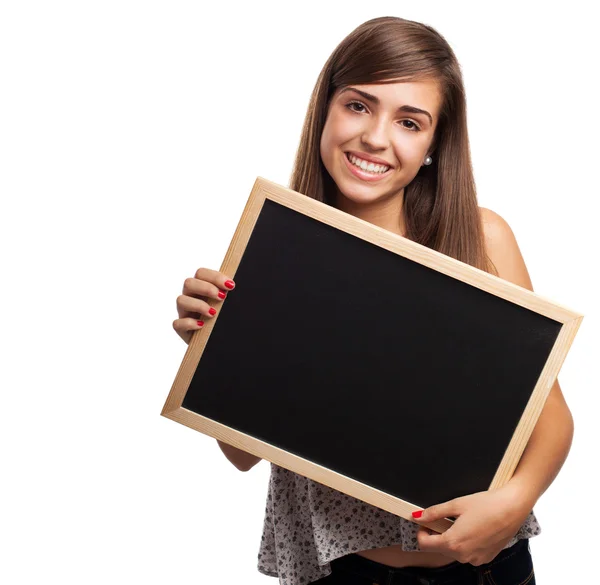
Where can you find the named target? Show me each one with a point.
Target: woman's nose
(376, 135)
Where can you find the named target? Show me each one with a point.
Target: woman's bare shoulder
(502, 248)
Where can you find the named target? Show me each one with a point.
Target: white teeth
(367, 166)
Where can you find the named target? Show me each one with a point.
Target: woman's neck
(387, 214)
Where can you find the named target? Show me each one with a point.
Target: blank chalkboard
(368, 362)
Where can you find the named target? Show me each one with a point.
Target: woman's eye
(355, 104)
(414, 127)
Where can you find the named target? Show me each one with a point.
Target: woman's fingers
(192, 287)
(215, 288)
(186, 327)
(192, 307)
(218, 279)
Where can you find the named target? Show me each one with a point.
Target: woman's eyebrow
(375, 100)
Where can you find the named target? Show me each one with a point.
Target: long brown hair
(440, 204)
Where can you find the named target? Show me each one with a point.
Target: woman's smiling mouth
(365, 170)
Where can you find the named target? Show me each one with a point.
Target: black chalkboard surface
(366, 361)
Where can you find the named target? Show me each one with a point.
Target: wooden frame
(263, 190)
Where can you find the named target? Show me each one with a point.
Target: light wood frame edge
(302, 466)
(536, 403)
(265, 189)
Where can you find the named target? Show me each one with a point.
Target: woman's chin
(360, 197)
(366, 192)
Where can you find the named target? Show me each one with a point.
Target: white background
(131, 134)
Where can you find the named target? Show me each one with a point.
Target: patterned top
(308, 524)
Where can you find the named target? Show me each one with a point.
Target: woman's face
(378, 121)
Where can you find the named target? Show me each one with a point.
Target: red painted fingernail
(212, 311)
(229, 284)
(200, 323)
(417, 514)
(221, 294)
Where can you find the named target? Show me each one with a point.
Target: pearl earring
(428, 160)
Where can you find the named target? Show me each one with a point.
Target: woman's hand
(485, 522)
(192, 307)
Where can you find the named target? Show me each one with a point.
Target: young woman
(385, 139)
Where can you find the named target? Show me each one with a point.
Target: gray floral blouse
(308, 524)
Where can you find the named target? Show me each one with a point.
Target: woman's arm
(547, 448)
(243, 460)
(486, 521)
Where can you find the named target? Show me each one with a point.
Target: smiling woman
(392, 93)
(385, 139)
